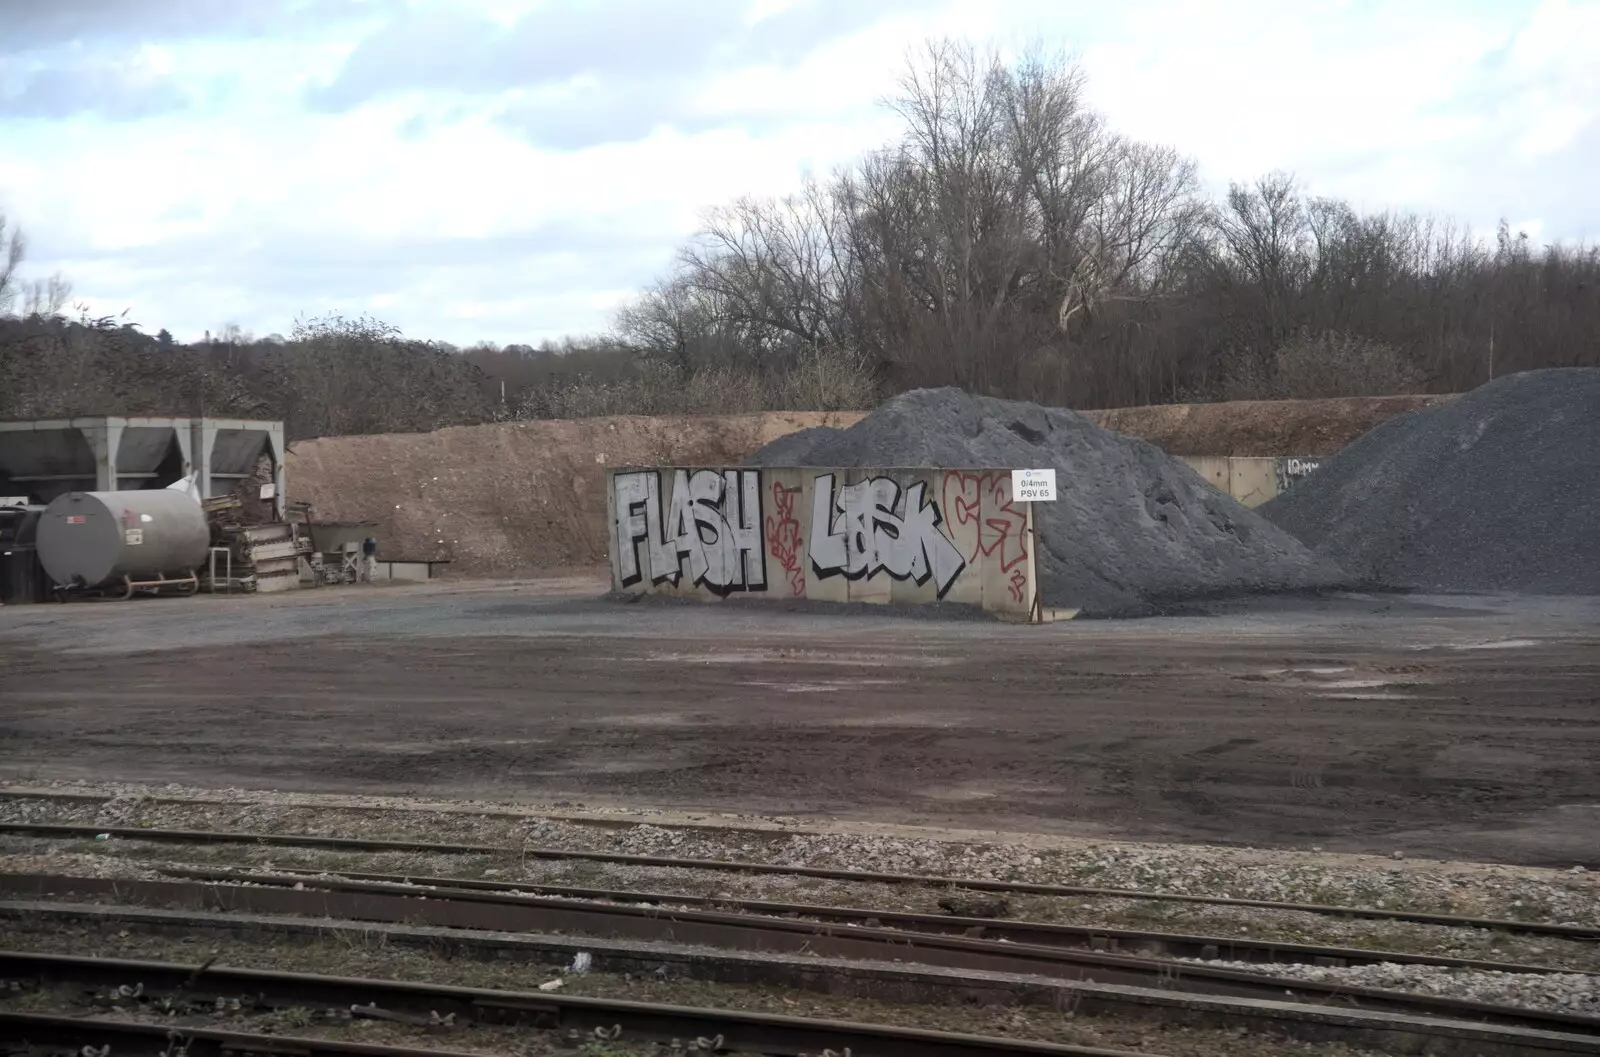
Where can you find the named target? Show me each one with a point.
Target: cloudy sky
(510, 170)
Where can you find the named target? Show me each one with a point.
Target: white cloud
(431, 208)
(1295, 85)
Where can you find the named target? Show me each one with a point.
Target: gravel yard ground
(1416, 753)
(1459, 727)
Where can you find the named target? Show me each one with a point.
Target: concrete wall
(1252, 481)
(411, 572)
(853, 535)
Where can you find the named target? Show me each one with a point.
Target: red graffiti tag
(985, 500)
(963, 497)
(783, 537)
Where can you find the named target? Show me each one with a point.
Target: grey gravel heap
(1133, 532)
(1498, 490)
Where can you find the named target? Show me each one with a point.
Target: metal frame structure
(109, 453)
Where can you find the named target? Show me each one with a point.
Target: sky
(514, 170)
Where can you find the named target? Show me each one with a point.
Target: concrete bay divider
(893, 535)
(1249, 479)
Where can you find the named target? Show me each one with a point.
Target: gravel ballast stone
(1498, 490)
(1133, 531)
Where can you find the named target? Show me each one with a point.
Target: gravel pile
(1559, 992)
(1498, 490)
(1132, 532)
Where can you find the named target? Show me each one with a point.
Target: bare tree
(672, 322)
(774, 269)
(12, 251)
(1266, 241)
(46, 297)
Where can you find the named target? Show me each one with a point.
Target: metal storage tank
(90, 539)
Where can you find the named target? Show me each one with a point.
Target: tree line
(1008, 241)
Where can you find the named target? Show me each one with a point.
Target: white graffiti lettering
(712, 520)
(1291, 471)
(1301, 467)
(870, 527)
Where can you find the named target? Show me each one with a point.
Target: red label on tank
(76, 519)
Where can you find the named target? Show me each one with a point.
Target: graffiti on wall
(984, 501)
(707, 533)
(784, 539)
(1292, 470)
(870, 527)
(1252, 480)
(872, 535)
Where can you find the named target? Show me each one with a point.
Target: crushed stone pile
(1133, 531)
(1498, 490)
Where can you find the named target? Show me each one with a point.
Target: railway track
(467, 912)
(1033, 933)
(894, 956)
(298, 840)
(182, 992)
(34, 1034)
(903, 985)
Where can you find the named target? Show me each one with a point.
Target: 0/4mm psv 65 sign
(1033, 486)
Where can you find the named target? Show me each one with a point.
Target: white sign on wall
(1033, 486)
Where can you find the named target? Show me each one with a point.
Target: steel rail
(300, 840)
(658, 1022)
(1009, 930)
(31, 1031)
(397, 904)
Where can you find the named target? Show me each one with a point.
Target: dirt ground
(1459, 728)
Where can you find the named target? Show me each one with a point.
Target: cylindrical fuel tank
(87, 539)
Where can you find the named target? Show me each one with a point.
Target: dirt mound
(1132, 531)
(524, 496)
(1498, 490)
(1249, 427)
(1259, 427)
(509, 498)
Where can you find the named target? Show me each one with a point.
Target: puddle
(845, 658)
(656, 719)
(713, 658)
(1366, 697)
(893, 719)
(822, 688)
(1503, 644)
(957, 794)
(605, 767)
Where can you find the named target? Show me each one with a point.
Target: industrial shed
(46, 458)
